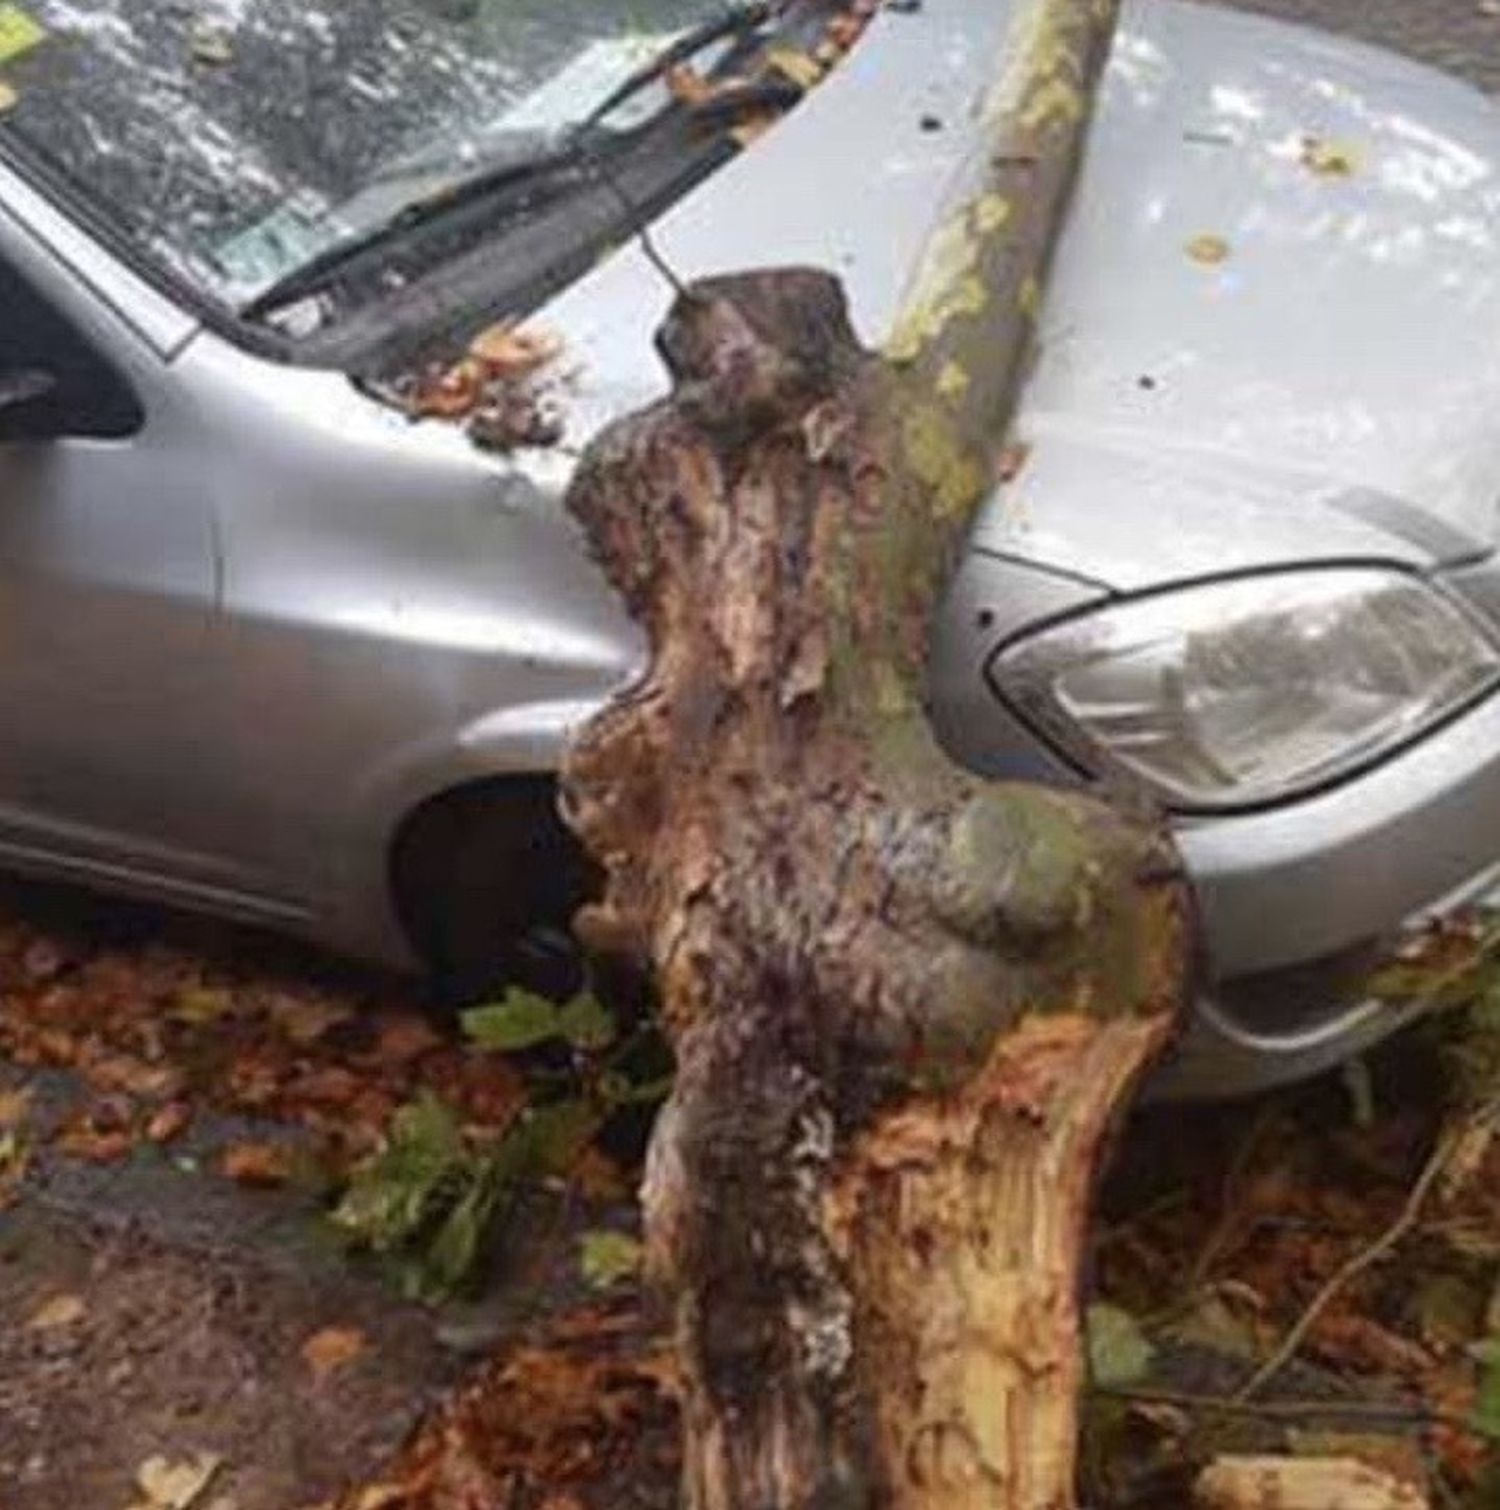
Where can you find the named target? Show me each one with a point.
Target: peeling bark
(907, 1004)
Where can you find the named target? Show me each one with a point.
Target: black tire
(487, 881)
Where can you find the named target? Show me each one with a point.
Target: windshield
(228, 139)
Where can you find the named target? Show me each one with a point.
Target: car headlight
(1239, 692)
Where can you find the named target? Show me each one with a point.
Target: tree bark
(907, 1004)
(1260, 1483)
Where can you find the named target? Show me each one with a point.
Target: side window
(76, 391)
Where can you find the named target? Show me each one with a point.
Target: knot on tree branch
(752, 350)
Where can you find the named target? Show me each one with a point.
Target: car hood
(1272, 332)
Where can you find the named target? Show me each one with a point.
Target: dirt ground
(183, 1351)
(178, 1104)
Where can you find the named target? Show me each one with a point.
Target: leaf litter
(1221, 1226)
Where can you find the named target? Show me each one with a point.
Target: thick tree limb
(906, 1004)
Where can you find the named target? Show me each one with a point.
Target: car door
(107, 593)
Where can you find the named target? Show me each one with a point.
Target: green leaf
(620, 1090)
(392, 1195)
(1119, 1352)
(458, 1243)
(1486, 1416)
(553, 1136)
(586, 1023)
(517, 1021)
(605, 1257)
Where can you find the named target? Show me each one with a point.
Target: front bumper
(1304, 904)
(1300, 902)
(1259, 1031)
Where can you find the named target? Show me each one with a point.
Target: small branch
(1255, 1482)
(1371, 1254)
(1295, 1410)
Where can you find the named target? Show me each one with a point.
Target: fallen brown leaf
(98, 1146)
(510, 350)
(1328, 159)
(255, 1163)
(686, 85)
(843, 31)
(403, 1039)
(200, 1004)
(331, 1349)
(451, 393)
(175, 1486)
(14, 1156)
(381, 1496)
(14, 1107)
(60, 1311)
(169, 1122)
(1208, 249)
(306, 1018)
(118, 1072)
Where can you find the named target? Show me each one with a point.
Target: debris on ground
(1313, 1275)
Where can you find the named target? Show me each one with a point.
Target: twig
(1372, 1253)
(1294, 1410)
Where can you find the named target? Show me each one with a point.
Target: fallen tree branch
(1270, 1483)
(1369, 1411)
(908, 1004)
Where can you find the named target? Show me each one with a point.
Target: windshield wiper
(738, 22)
(313, 274)
(581, 148)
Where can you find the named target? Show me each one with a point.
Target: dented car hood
(1272, 331)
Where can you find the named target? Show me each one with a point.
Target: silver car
(270, 648)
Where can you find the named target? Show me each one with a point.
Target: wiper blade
(581, 148)
(313, 274)
(737, 22)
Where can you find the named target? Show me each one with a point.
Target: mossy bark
(907, 1004)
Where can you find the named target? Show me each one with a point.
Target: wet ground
(179, 1104)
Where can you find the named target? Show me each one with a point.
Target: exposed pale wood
(1271, 1483)
(907, 1004)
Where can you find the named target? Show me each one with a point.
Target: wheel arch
(509, 754)
(423, 845)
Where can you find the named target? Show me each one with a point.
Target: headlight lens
(1239, 692)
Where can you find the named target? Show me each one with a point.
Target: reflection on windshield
(196, 126)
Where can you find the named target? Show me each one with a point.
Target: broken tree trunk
(907, 1005)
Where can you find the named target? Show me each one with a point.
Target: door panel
(107, 594)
